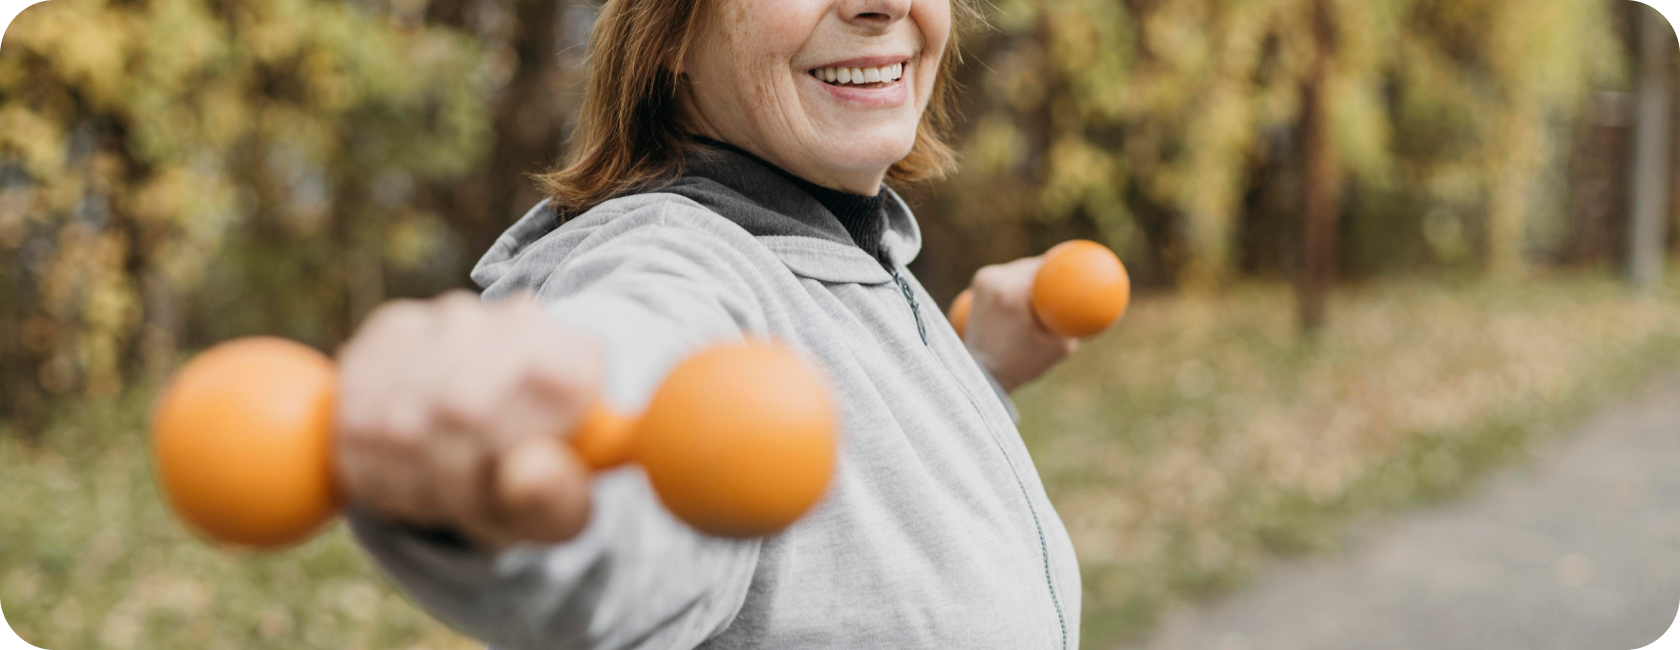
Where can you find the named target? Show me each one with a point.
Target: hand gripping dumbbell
(1081, 289)
(738, 441)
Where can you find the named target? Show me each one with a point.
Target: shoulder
(653, 210)
(646, 226)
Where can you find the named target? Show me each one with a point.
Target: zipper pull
(910, 297)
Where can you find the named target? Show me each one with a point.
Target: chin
(869, 151)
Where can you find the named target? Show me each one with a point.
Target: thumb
(542, 491)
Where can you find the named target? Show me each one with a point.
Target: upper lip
(867, 62)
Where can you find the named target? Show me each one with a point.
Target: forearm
(1003, 392)
(631, 572)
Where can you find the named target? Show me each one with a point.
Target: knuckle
(353, 431)
(566, 370)
(988, 276)
(459, 299)
(461, 500)
(361, 483)
(465, 410)
(398, 316)
(401, 432)
(521, 302)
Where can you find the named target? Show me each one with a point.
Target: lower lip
(886, 96)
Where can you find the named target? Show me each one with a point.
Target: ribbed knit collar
(863, 217)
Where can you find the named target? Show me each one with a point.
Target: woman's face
(780, 78)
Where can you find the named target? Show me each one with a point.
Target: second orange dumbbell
(1081, 290)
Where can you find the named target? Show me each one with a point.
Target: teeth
(855, 76)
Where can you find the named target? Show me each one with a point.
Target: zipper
(1026, 497)
(910, 297)
(1038, 526)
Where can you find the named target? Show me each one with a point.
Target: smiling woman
(663, 71)
(750, 83)
(728, 181)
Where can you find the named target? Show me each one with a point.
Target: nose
(874, 15)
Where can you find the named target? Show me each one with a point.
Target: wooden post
(1646, 239)
(1322, 179)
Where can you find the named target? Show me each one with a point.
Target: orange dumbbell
(1081, 289)
(739, 441)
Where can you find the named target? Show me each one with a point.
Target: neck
(863, 217)
(861, 183)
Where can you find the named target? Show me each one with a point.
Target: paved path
(1579, 550)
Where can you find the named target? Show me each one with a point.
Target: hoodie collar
(796, 227)
(793, 225)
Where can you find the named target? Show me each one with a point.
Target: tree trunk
(1646, 239)
(530, 115)
(1322, 179)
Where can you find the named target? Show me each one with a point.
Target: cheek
(933, 19)
(765, 36)
(771, 32)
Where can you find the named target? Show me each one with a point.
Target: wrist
(993, 369)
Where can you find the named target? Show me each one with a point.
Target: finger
(376, 492)
(351, 471)
(396, 467)
(460, 467)
(365, 449)
(556, 385)
(1007, 285)
(521, 300)
(542, 491)
(459, 299)
(474, 392)
(370, 363)
(433, 379)
(570, 371)
(1027, 266)
(530, 413)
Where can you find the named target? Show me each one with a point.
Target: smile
(860, 77)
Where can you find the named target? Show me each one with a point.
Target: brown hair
(629, 134)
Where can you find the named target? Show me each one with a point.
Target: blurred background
(1386, 251)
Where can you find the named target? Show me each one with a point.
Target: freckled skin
(750, 82)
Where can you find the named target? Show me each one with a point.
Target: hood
(802, 233)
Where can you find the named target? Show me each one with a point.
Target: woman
(726, 182)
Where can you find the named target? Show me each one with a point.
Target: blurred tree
(1654, 149)
(173, 172)
(537, 48)
(1321, 174)
(186, 170)
(1152, 124)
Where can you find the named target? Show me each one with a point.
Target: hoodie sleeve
(653, 285)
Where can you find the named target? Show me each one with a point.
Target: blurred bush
(1172, 129)
(175, 172)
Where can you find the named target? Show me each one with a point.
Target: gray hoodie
(936, 532)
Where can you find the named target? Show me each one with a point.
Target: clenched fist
(452, 413)
(1003, 333)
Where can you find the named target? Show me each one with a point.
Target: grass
(90, 559)
(1181, 449)
(1204, 435)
